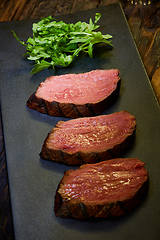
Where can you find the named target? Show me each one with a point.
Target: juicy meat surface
(76, 95)
(92, 134)
(88, 135)
(102, 184)
(90, 87)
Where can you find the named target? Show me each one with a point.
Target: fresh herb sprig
(58, 43)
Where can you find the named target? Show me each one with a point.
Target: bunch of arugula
(58, 43)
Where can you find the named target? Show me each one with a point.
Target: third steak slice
(101, 190)
(90, 139)
(76, 95)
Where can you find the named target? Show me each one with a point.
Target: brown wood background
(144, 22)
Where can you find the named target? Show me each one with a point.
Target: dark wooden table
(144, 22)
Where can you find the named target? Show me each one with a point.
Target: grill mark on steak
(45, 107)
(77, 112)
(91, 109)
(53, 108)
(83, 210)
(61, 155)
(97, 157)
(58, 203)
(75, 187)
(36, 103)
(80, 159)
(60, 111)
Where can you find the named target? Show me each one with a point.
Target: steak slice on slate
(75, 95)
(90, 139)
(107, 189)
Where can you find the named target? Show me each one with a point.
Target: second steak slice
(76, 95)
(89, 140)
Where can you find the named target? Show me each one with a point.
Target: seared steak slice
(75, 95)
(101, 190)
(89, 140)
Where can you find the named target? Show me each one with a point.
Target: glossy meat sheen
(94, 134)
(90, 87)
(105, 182)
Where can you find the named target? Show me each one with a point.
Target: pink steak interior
(90, 87)
(94, 134)
(108, 181)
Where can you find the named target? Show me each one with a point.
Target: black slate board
(33, 181)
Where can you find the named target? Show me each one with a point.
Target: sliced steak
(101, 190)
(89, 140)
(75, 95)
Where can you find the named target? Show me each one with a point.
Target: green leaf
(40, 66)
(107, 36)
(56, 43)
(97, 17)
(90, 50)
